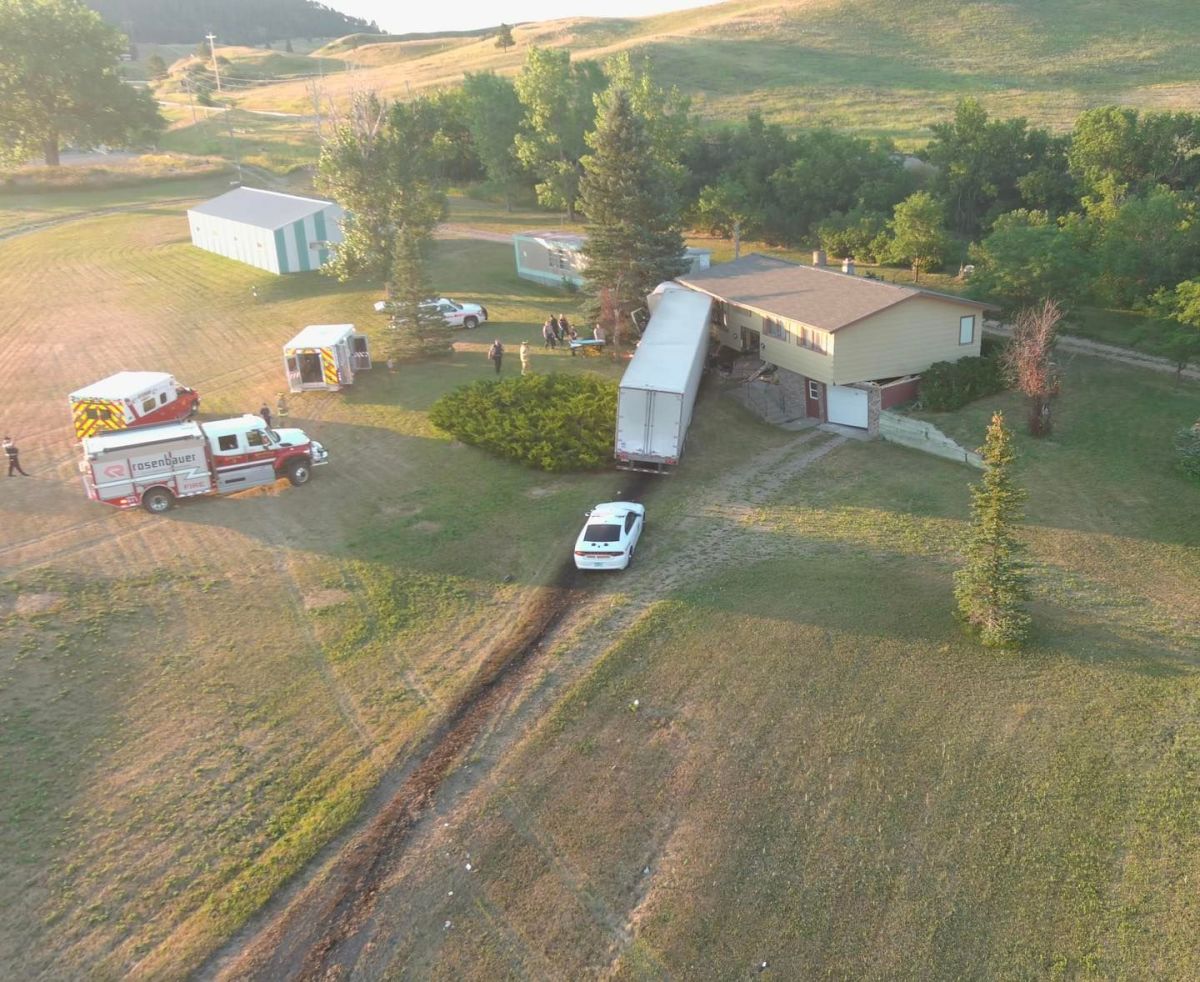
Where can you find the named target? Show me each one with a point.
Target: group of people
(558, 330)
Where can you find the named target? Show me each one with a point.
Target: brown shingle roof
(823, 298)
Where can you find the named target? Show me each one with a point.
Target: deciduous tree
(494, 114)
(558, 97)
(991, 588)
(1180, 310)
(1029, 358)
(504, 38)
(918, 236)
(59, 81)
(382, 165)
(1028, 257)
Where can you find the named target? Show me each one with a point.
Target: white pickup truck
(468, 315)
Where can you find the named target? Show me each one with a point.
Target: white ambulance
(131, 399)
(154, 466)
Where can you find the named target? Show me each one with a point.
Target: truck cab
(246, 453)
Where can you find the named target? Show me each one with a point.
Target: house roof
(263, 209)
(319, 336)
(824, 298)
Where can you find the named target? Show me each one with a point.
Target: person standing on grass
(14, 459)
(564, 325)
(558, 328)
(524, 357)
(548, 333)
(598, 335)
(572, 335)
(265, 412)
(496, 354)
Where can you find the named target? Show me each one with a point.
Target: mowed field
(190, 706)
(768, 742)
(791, 759)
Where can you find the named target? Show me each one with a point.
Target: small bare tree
(1029, 360)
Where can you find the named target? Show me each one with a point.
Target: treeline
(233, 21)
(1106, 214)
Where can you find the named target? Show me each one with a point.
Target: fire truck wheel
(158, 501)
(298, 472)
(470, 323)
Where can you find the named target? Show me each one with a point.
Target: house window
(775, 329)
(811, 338)
(966, 330)
(227, 443)
(559, 259)
(814, 390)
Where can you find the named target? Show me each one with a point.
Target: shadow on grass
(910, 601)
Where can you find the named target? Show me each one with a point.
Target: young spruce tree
(991, 587)
(634, 232)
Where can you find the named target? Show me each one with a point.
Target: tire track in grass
(327, 927)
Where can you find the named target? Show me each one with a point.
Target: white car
(610, 535)
(468, 315)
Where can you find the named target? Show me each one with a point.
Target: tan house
(847, 345)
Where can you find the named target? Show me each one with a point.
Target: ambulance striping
(93, 415)
(329, 367)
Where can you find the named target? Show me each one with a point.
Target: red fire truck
(131, 399)
(153, 466)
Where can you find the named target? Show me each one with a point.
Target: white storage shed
(281, 233)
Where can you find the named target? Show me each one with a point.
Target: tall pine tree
(634, 232)
(992, 586)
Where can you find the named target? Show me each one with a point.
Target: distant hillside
(233, 21)
(879, 66)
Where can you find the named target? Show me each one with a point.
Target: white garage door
(848, 406)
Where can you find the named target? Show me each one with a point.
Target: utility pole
(237, 160)
(212, 46)
(187, 87)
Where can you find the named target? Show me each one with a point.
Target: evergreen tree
(156, 68)
(635, 239)
(419, 330)
(504, 38)
(992, 586)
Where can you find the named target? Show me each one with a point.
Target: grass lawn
(281, 145)
(22, 208)
(191, 706)
(800, 759)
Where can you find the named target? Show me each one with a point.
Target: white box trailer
(325, 357)
(658, 390)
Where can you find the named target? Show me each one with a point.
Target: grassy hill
(882, 66)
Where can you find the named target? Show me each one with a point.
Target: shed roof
(262, 209)
(664, 357)
(823, 298)
(319, 336)
(122, 385)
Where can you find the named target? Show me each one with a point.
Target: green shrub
(948, 385)
(1187, 450)
(556, 422)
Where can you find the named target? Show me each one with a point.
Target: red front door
(814, 399)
